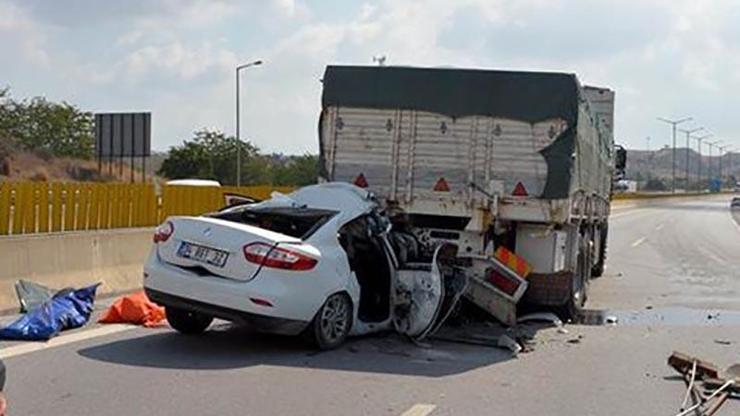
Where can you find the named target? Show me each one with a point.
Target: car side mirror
(620, 161)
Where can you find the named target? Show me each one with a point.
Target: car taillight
(163, 232)
(502, 282)
(277, 257)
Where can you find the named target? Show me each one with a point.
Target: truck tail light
(502, 282)
(268, 255)
(163, 232)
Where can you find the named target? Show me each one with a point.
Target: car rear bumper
(268, 304)
(260, 322)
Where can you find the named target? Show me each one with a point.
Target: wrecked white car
(322, 261)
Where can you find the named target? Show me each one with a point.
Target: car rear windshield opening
(295, 222)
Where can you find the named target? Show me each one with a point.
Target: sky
(177, 59)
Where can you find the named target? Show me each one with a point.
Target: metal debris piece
(722, 342)
(541, 316)
(701, 378)
(611, 320)
(505, 341)
(576, 340)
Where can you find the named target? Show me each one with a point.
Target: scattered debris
(541, 316)
(505, 341)
(649, 307)
(722, 342)
(576, 340)
(562, 330)
(704, 386)
(67, 309)
(611, 320)
(134, 309)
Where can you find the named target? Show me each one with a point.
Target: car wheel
(332, 322)
(187, 322)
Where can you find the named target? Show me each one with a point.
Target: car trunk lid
(216, 247)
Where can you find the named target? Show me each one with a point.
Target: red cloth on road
(135, 309)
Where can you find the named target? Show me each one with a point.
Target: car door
(421, 299)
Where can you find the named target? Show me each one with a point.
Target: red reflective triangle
(361, 181)
(520, 190)
(441, 186)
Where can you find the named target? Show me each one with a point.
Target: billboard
(123, 134)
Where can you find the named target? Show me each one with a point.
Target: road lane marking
(28, 347)
(419, 410)
(638, 242)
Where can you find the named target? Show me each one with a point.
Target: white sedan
(322, 261)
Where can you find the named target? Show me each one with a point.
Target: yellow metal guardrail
(41, 207)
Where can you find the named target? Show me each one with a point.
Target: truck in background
(482, 159)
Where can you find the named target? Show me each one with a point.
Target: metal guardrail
(41, 207)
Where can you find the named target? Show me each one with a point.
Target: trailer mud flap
(552, 289)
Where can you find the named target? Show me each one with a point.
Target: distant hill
(643, 164)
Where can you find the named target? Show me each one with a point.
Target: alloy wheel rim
(334, 319)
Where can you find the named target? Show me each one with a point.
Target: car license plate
(203, 254)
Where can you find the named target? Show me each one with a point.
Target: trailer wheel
(598, 269)
(573, 308)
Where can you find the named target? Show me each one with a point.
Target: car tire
(332, 323)
(187, 322)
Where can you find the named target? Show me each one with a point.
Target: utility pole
(673, 124)
(698, 141)
(647, 141)
(711, 145)
(238, 135)
(721, 150)
(688, 150)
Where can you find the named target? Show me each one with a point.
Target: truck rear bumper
(552, 289)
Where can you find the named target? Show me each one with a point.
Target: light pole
(714, 144)
(673, 124)
(688, 149)
(721, 150)
(698, 141)
(238, 135)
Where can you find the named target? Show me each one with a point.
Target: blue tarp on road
(67, 309)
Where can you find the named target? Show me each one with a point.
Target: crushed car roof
(348, 200)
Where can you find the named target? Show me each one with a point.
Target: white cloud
(177, 58)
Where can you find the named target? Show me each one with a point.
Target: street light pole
(721, 150)
(673, 124)
(698, 141)
(238, 135)
(688, 150)
(711, 145)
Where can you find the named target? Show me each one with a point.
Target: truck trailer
(482, 159)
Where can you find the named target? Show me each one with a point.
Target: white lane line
(28, 347)
(629, 212)
(419, 410)
(638, 242)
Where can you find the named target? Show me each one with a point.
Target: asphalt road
(672, 281)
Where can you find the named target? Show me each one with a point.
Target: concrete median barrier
(113, 257)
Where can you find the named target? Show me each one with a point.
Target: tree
(655, 184)
(296, 170)
(212, 155)
(60, 129)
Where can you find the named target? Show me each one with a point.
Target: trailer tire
(573, 307)
(598, 269)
